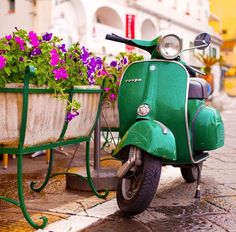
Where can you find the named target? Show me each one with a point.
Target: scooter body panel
(163, 85)
(206, 126)
(150, 136)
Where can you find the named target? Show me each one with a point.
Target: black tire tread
(150, 181)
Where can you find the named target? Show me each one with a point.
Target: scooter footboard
(207, 129)
(152, 137)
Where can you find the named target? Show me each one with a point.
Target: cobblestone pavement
(175, 209)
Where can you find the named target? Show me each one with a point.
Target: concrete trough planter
(46, 116)
(110, 115)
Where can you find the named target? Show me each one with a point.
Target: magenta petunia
(55, 59)
(3, 62)
(107, 89)
(21, 42)
(8, 37)
(112, 97)
(34, 39)
(60, 73)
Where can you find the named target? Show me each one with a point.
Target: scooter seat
(198, 89)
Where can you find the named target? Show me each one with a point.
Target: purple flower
(36, 52)
(63, 48)
(125, 61)
(84, 55)
(112, 97)
(92, 64)
(71, 115)
(3, 62)
(99, 62)
(21, 59)
(91, 80)
(8, 37)
(60, 73)
(34, 39)
(21, 42)
(47, 36)
(113, 63)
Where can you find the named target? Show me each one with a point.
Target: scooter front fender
(152, 137)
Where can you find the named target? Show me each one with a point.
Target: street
(174, 208)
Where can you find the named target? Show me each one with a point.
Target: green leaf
(7, 70)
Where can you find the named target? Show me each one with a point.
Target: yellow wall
(226, 10)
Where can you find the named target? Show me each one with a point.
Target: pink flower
(8, 37)
(21, 42)
(106, 89)
(60, 73)
(3, 62)
(55, 59)
(112, 97)
(34, 39)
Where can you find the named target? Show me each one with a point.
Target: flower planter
(110, 115)
(45, 116)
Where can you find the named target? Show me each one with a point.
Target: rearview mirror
(202, 41)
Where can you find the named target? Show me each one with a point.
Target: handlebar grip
(117, 38)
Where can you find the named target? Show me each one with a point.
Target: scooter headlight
(143, 110)
(169, 46)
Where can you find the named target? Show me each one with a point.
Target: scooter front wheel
(136, 190)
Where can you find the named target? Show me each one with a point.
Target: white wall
(75, 20)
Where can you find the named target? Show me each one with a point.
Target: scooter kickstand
(198, 188)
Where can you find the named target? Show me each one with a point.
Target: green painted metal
(61, 138)
(9, 200)
(207, 129)
(89, 179)
(21, 150)
(150, 136)
(22, 200)
(50, 165)
(163, 85)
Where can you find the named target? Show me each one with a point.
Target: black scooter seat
(198, 89)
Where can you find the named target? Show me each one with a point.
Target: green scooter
(164, 120)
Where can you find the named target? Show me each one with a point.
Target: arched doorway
(148, 30)
(105, 21)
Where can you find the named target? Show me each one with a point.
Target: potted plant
(58, 71)
(208, 62)
(110, 76)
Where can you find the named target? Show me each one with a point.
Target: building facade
(89, 22)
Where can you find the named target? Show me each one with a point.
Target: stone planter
(110, 115)
(45, 116)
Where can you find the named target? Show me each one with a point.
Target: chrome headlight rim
(143, 110)
(161, 43)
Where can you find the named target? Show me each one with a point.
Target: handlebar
(192, 71)
(120, 39)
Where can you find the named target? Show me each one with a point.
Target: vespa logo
(133, 80)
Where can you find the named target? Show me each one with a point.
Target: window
(187, 12)
(214, 52)
(11, 6)
(191, 44)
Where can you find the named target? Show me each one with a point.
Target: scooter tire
(190, 173)
(149, 180)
